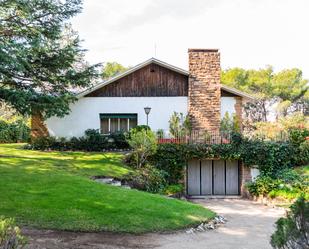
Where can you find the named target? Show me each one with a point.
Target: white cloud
(249, 33)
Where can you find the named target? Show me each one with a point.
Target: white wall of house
(85, 113)
(227, 105)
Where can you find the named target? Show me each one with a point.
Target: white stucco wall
(85, 113)
(227, 105)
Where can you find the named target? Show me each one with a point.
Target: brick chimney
(204, 96)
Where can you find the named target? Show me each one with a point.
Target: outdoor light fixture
(147, 111)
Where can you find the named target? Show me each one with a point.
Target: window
(113, 122)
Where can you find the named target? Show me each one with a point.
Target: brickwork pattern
(238, 110)
(204, 89)
(245, 177)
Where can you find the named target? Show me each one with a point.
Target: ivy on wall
(269, 157)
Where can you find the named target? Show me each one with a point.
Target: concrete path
(249, 226)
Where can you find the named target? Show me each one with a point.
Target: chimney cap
(204, 50)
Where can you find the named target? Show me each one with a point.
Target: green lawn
(53, 190)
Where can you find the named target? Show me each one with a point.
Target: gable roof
(160, 63)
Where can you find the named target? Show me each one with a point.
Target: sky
(249, 33)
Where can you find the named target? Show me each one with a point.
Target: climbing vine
(269, 157)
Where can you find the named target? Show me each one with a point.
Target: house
(118, 103)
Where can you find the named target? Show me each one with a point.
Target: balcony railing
(195, 137)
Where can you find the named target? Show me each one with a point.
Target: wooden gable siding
(150, 81)
(227, 94)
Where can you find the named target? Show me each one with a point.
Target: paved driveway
(249, 226)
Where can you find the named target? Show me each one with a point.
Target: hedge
(91, 141)
(14, 131)
(269, 157)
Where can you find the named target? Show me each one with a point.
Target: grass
(52, 190)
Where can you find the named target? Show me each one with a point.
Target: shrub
(290, 176)
(140, 128)
(119, 140)
(144, 144)
(287, 194)
(268, 131)
(289, 185)
(160, 133)
(294, 121)
(179, 125)
(147, 179)
(262, 185)
(91, 141)
(42, 143)
(130, 159)
(14, 131)
(293, 231)
(229, 123)
(280, 129)
(302, 157)
(298, 136)
(10, 236)
(175, 189)
(270, 157)
(170, 158)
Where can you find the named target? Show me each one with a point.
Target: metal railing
(281, 136)
(195, 137)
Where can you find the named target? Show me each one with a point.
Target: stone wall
(38, 127)
(204, 89)
(238, 109)
(244, 177)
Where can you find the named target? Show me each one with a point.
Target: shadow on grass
(53, 191)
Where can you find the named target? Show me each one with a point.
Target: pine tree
(38, 61)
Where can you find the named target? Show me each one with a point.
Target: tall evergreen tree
(38, 62)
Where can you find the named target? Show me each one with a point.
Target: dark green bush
(42, 143)
(270, 157)
(91, 141)
(13, 132)
(298, 136)
(170, 158)
(293, 231)
(119, 140)
(302, 153)
(289, 183)
(147, 178)
(289, 176)
(263, 185)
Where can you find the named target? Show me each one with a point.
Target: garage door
(212, 177)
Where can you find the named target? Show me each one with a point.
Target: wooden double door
(212, 177)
